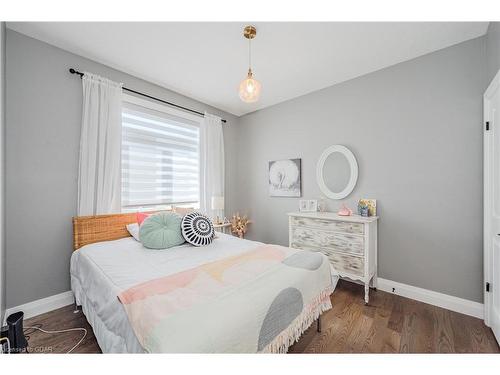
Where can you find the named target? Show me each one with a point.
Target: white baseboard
(43, 305)
(445, 301)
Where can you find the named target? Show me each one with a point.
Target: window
(160, 156)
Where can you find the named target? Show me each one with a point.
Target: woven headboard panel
(91, 229)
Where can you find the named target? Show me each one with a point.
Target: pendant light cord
(249, 54)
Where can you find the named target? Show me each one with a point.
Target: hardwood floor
(393, 324)
(389, 324)
(60, 319)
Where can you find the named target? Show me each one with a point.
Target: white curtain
(212, 164)
(99, 172)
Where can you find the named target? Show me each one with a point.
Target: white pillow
(133, 229)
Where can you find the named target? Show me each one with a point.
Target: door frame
(487, 198)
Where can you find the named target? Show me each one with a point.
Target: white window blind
(160, 158)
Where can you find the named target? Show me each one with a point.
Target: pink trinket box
(344, 211)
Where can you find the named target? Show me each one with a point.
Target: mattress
(101, 271)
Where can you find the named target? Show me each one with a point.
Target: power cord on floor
(63, 331)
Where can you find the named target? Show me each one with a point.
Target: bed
(110, 272)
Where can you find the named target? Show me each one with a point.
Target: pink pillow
(141, 216)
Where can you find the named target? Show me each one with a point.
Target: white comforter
(100, 271)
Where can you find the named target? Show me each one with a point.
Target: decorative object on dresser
(284, 178)
(349, 242)
(337, 172)
(367, 204)
(344, 211)
(308, 205)
(322, 204)
(239, 225)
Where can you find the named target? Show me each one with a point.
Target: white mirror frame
(353, 164)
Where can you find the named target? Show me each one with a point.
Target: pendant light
(249, 87)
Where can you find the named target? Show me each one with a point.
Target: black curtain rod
(73, 71)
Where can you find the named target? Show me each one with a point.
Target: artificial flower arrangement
(239, 225)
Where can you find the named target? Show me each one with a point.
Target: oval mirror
(337, 172)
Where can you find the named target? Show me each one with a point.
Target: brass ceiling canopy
(249, 32)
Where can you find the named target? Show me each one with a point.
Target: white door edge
(487, 190)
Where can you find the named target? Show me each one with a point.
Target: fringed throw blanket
(258, 301)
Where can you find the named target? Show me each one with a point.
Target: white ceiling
(206, 61)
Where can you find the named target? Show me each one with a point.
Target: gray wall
(2, 170)
(415, 129)
(43, 131)
(492, 50)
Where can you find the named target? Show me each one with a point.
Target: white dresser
(350, 242)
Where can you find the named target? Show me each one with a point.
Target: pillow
(133, 229)
(183, 210)
(197, 229)
(161, 231)
(141, 216)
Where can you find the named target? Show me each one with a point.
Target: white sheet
(100, 271)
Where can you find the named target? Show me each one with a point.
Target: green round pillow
(161, 231)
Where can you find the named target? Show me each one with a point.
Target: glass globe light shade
(250, 89)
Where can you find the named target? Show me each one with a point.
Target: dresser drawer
(339, 226)
(331, 240)
(349, 244)
(343, 263)
(346, 263)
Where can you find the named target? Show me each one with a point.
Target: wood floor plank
(389, 324)
(392, 342)
(462, 330)
(375, 339)
(342, 329)
(397, 316)
(425, 341)
(359, 333)
(444, 332)
(409, 330)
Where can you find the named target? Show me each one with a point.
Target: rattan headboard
(91, 229)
